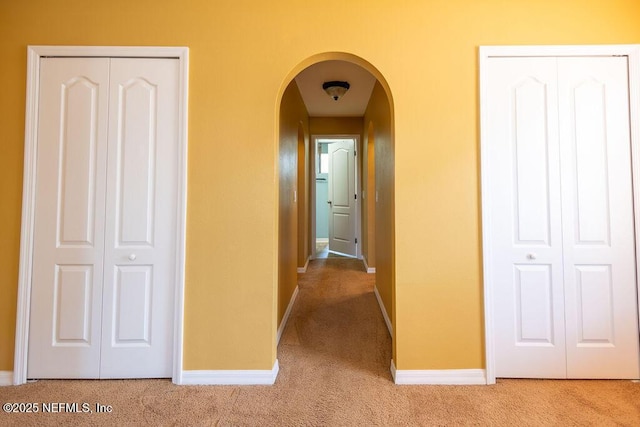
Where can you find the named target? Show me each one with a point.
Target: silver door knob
(132, 257)
(532, 256)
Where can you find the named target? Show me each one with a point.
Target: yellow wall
(380, 127)
(335, 126)
(369, 199)
(243, 55)
(294, 124)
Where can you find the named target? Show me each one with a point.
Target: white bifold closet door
(105, 225)
(562, 251)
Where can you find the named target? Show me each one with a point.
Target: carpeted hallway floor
(334, 371)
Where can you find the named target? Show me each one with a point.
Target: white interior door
(140, 248)
(597, 215)
(66, 292)
(104, 239)
(527, 238)
(342, 197)
(562, 251)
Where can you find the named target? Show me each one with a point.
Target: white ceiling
(319, 104)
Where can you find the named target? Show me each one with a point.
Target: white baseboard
(438, 376)
(306, 264)
(370, 270)
(285, 318)
(228, 377)
(6, 378)
(384, 311)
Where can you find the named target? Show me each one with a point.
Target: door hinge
(355, 196)
(356, 240)
(355, 153)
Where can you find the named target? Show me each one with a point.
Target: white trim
(28, 216)
(34, 53)
(486, 227)
(634, 115)
(6, 378)
(285, 318)
(558, 50)
(384, 311)
(110, 51)
(438, 376)
(486, 52)
(306, 265)
(181, 232)
(370, 270)
(228, 377)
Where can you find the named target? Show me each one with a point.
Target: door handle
(532, 256)
(132, 257)
(329, 202)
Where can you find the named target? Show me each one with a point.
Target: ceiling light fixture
(336, 89)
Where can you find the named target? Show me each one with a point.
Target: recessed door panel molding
(72, 305)
(132, 306)
(341, 229)
(592, 225)
(340, 183)
(78, 144)
(594, 292)
(531, 162)
(137, 120)
(534, 305)
(591, 128)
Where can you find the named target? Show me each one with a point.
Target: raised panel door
(66, 289)
(342, 203)
(527, 249)
(599, 249)
(106, 207)
(562, 253)
(139, 277)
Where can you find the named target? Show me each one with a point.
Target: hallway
(336, 330)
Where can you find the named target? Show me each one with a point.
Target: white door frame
(312, 171)
(29, 188)
(486, 52)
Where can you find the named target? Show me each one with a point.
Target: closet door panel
(599, 248)
(66, 288)
(526, 235)
(139, 280)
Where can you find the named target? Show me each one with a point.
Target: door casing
(312, 180)
(34, 54)
(486, 52)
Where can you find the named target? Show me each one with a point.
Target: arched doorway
(300, 118)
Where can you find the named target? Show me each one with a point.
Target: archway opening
(365, 113)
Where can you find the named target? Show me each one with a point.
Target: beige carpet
(334, 371)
